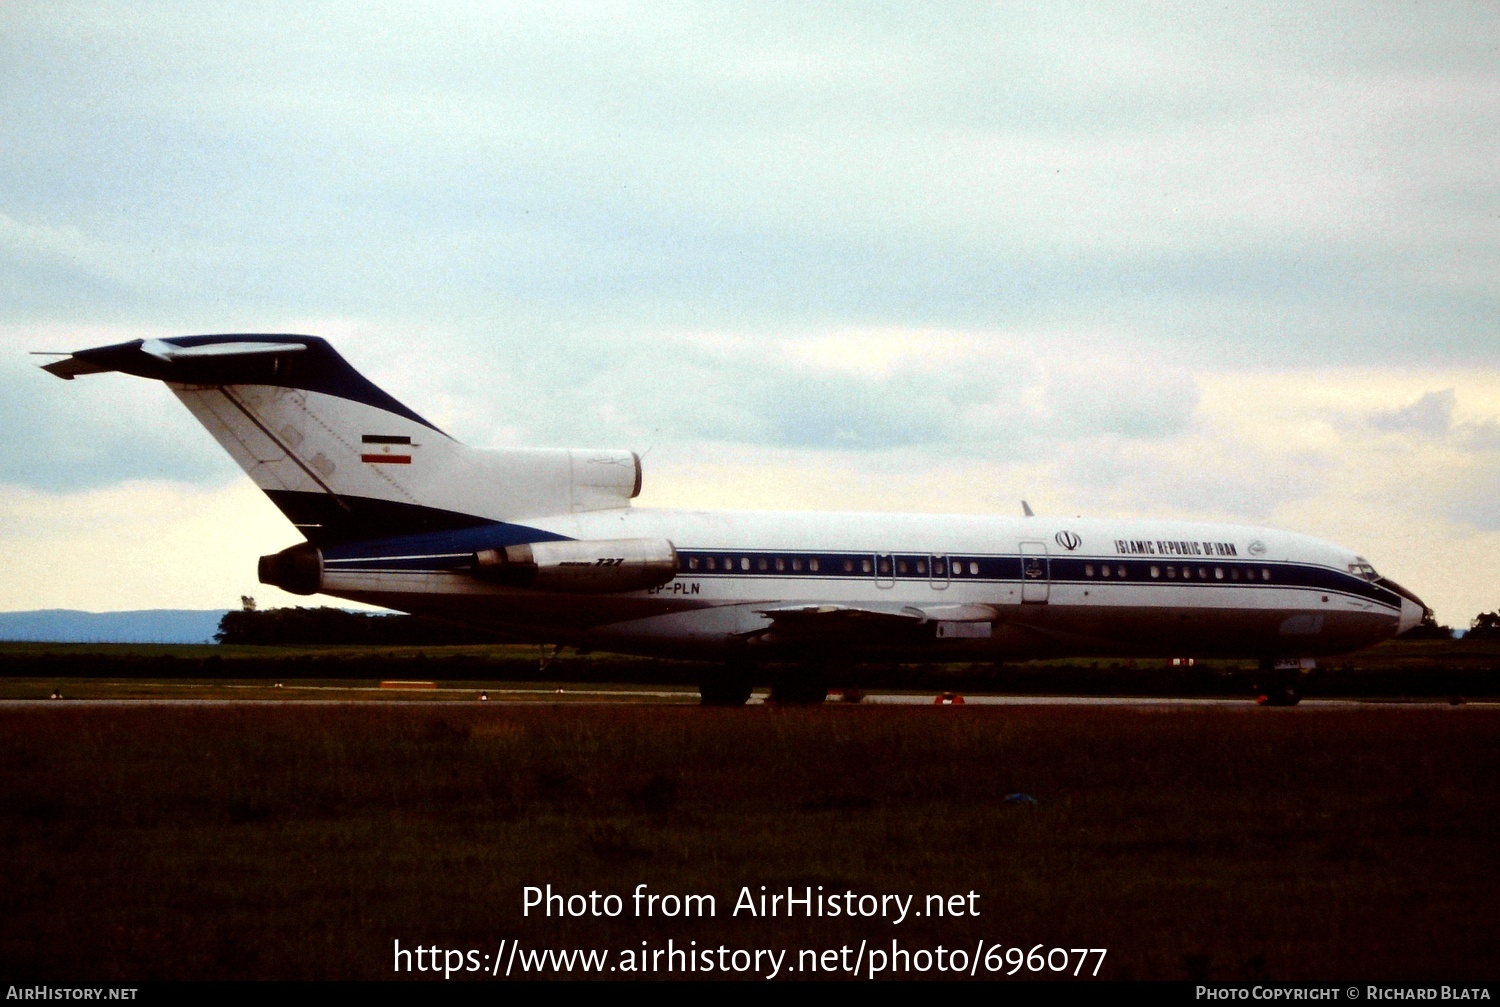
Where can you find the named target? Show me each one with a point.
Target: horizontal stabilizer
(163, 350)
(70, 367)
(192, 359)
(282, 361)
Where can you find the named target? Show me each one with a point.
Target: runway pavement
(677, 697)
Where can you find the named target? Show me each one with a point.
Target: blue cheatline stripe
(1054, 569)
(1205, 573)
(333, 523)
(846, 565)
(432, 551)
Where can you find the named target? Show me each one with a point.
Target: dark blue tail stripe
(318, 369)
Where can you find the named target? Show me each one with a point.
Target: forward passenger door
(1036, 574)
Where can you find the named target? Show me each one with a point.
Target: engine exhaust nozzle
(298, 569)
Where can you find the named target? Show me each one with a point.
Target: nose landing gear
(1282, 693)
(1280, 681)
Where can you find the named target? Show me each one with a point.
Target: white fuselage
(1014, 587)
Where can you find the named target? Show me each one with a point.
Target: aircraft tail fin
(343, 459)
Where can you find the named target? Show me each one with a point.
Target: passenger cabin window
(885, 567)
(1218, 573)
(812, 565)
(1104, 570)
(902, 568)
(762, 564)
(1234, 573)
(692, 562)
(939, 568)
(744, 562)
(1120, 570)
(780, 564)
(1088, 569)
(1187, 573)
(1265, 573)
(848, 566)
(710, 563)
(922, 567)
(864, 566)
(1156, 572)
(973, 568)
(796, 565)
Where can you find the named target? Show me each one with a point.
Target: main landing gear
(728, 686)
(801, 683)
(1280, 681)
(799, 688)
(795, 685)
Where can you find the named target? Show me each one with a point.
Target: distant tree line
(1428, 629)
(1485, 624)
(319, 626)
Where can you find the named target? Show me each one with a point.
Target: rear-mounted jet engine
(592, 567)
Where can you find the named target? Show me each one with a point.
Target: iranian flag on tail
(386, 449)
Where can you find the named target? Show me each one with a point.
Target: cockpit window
(1362, 569)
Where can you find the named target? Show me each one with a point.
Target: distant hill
(318, 626)
(60, 625)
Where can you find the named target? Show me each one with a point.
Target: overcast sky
(1231, 265)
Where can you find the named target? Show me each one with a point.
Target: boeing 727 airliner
(543, 545)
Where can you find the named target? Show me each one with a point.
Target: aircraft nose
(1411, 615)
(1412, 609)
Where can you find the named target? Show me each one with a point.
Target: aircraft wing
(814, 622)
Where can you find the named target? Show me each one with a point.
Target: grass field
(300, 841)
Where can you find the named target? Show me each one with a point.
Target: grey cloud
(1482, 437)
(745, 394)
(98, 430)
(1476, 504)
(1007, 400)
(1275, 188)
(1127, 400)
(1142, 476)
(1479, 510)
(1431, 415)
(702, 164)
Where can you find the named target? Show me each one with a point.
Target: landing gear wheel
(1277, 686)
(1278, 682)
(799, 691)
(1283, 693)
(731, 687)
